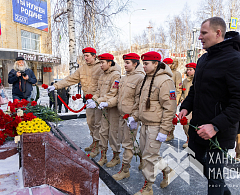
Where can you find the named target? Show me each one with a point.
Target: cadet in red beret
(87, 74)
(168, 61)
(187, 83)
(151, 56)
(128, 91)
(89, 50)
(191, 65)
(106, 56)
(156, 109)
(107, 91)
(177, 79)
(131, 56)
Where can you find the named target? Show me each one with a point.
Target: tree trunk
(72, 41)
(72, 49)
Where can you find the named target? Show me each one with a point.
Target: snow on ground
(103, 189)
(9, 165)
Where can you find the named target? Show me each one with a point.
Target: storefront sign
(39, 58)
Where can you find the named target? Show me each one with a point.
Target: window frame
(29, 40)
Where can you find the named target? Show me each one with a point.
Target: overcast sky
(156, 11)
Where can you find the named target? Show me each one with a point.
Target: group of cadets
(149, 93)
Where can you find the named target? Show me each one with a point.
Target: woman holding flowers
(187, 83)
(157, 107)
(104, 99)
(128, 99)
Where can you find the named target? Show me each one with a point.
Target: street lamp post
(130, 33)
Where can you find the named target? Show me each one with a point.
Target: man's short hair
(217, 23)
(93, 54)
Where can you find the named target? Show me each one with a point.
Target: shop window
(30, 41)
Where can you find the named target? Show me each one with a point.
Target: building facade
(26, 31)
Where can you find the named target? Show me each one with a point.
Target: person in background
(63, 94)
(21, 78)
(187, 83)
(68, 96)
(51, 98)
(157, 108)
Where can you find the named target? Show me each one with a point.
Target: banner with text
(31, 12)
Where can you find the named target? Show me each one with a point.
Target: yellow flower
(34, 130)
(34, 126)
(19, 132)
(22, 123)
(48, 129)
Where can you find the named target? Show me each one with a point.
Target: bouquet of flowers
(24, 117)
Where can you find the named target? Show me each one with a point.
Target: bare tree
(210, 8)
(161, 37)
(93, 21)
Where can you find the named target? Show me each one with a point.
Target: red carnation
(0, 80)
(33, 103)
(1, 113)
(15, 101)
(175, 121)
(88, 155)
(17, 121)
(2, 123)
(184, 89)
(78, 96)
(74, 98)
(28, 117)
(184, 121)
(24, 102)
(12, 109)
(7, 118)
(44, 86)
(88, 96)
(3, 135)
(126, 116)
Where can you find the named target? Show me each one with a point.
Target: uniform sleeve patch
(180, 84)
(172, 95)
(116, 84)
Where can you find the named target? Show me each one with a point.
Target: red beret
(191, 65)
(89, 50)
(131, 56)
(151, 55)
(168, 61)
(106, 56)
